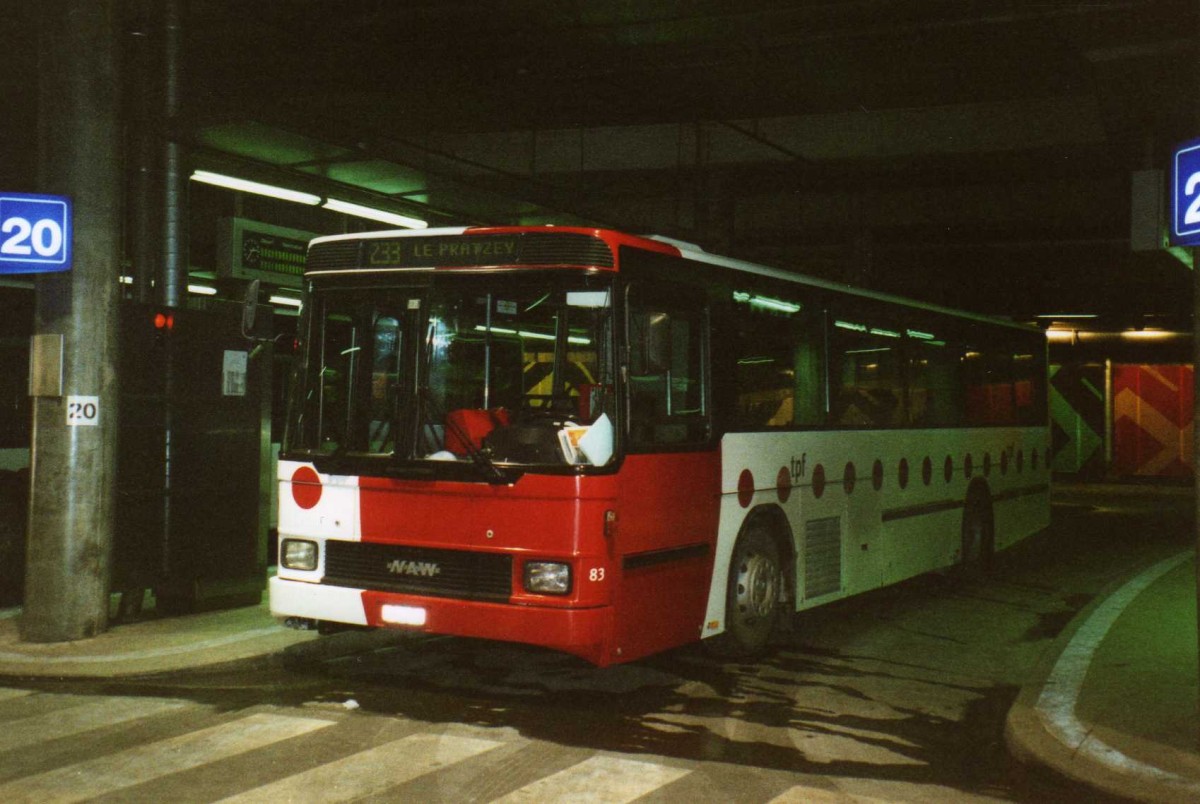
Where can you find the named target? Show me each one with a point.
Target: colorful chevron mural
(1077, 419)
(1153, 420)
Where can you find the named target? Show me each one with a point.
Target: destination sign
(492, 250)
(449, 251)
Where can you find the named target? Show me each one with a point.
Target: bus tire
(978, 532)
(752, 601)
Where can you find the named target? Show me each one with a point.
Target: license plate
(403, 615)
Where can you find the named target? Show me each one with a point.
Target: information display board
(248, 249)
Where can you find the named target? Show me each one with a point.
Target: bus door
(669, 483)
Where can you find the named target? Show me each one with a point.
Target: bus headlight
(298, 554)
(547, 577)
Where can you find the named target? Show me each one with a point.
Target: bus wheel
(978, 533)
(752, 603)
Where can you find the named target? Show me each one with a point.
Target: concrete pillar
(72, 469)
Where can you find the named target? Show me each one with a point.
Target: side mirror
(250, 309)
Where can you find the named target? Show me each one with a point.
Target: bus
(610, 445)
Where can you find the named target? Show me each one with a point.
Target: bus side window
(933, 371)
(989, 383)
(1005, 383)
(1029, 371)
(779, 366)
(867, 385)
(667, 377)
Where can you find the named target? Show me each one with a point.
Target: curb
(153, 646)
(1041, 726)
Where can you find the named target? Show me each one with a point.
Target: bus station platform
(1113, 703)
(150, 645)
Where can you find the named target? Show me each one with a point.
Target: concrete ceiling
(971, 152)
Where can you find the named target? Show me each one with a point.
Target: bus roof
(662, 245)
(693, 252)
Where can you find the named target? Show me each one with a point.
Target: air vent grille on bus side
(421, 571)
(822, 557)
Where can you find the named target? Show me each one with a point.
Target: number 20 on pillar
(35, 233)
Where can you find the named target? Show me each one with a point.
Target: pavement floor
(1113, 704)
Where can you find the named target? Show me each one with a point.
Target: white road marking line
(1056, 704)
(371, 771)
(108, 774)
(79, 719)
(607, 779)
(801, 794)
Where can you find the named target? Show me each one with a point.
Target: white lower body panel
(300, 599)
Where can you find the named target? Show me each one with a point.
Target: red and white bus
(612, 445)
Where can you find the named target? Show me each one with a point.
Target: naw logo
(422, 569)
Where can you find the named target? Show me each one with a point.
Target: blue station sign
(35, 233)
(1185, 195)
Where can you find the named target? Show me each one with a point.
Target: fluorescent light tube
(766, 301)
(247, 186)
(373, 214)
(541, 336)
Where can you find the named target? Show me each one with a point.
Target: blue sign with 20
(35, 233)
(1185, 195)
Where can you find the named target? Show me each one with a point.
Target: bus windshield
(457, 369)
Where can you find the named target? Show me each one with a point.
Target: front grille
(334, 254)
(393, 568)
(566, 248)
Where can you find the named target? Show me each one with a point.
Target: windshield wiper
(490, 471)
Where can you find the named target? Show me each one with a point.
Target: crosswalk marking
(598, 779)
(802, 794)
(371, 771)
(7, 693)
(108, 774)
(79, 719)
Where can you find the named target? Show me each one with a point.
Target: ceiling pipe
(173, 283)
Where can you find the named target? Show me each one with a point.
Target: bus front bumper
(582, 632)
